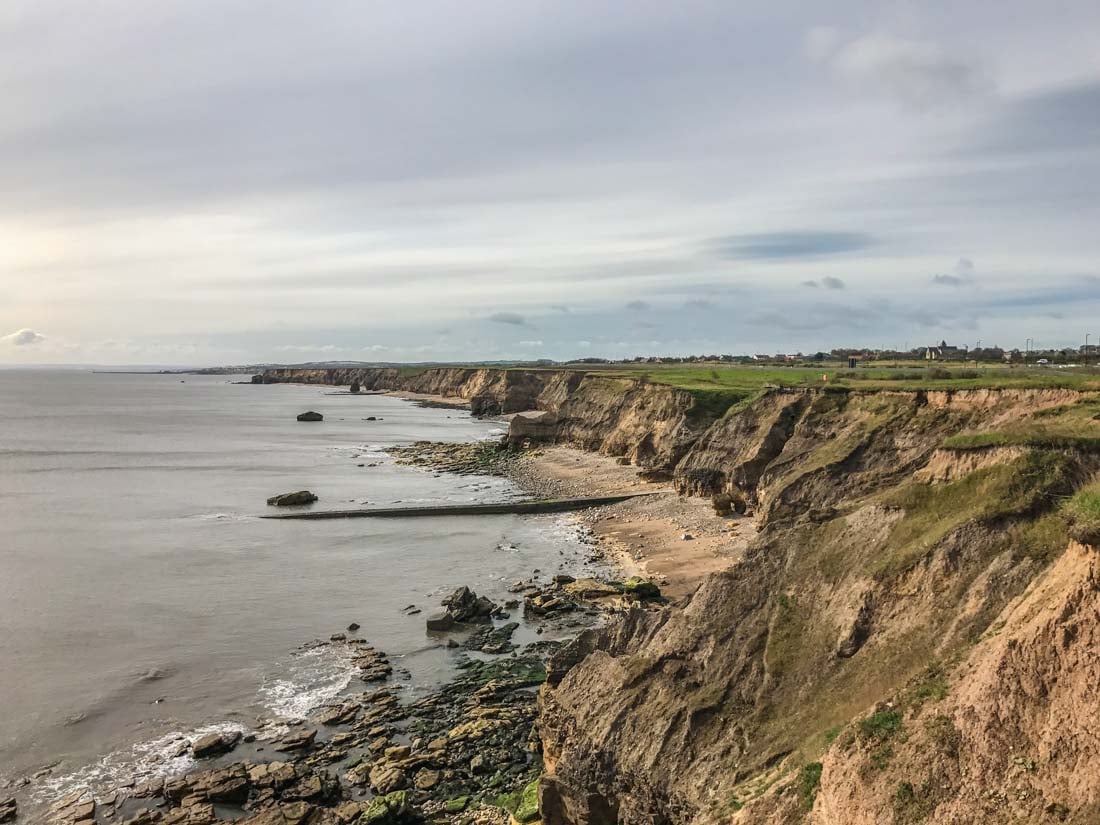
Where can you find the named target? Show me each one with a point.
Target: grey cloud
(829, 282)
(513, 318)
(699, 303)
(1062, 119)
(948, 280)
(559, 308)
(23, 338)
(784, 245)
(637, 306)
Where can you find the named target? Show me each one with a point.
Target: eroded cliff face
(894, 584)
(908, 639)
(652, 424)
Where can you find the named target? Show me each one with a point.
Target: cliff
(907, 640)
(652, 424)
(911, 637)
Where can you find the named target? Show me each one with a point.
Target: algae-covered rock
(528, 808)
(642, 588)
(390, 808)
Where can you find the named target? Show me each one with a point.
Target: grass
(809, 780)
(1083, 514)
(1024, 486)
(879, 726)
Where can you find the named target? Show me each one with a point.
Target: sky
(202, 182)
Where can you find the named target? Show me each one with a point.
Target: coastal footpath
(911, 635)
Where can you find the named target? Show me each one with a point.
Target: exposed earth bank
(910, 634)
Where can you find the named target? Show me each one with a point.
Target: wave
(314, 677)
(164, 756)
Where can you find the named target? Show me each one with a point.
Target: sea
(143, 599)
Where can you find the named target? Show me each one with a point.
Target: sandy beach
(645, 536)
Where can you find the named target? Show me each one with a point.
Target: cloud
(963, 274)
(513, 318)
(829, 282)
(23, 338)
(948, 280)
(530, 343)
(637, 306)
(559, 308)
(915, 73)
(585, 344)
(699, 303)
(784, 245)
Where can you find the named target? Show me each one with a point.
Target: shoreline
(197, 794)
(675, 540)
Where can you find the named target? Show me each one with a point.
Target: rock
(215, 744)
(388, 808)
(528, 808)
(440, 621)
(294, 813)
(311, 416)
(464, 605)
(145, 817)
(385, 778)
(642, 588)
(292, 499)
(588, 588)
(353, 627)
(354, 388)
(8, 809)
(426, 779)
(564, 578)
(298, 740)
(687, 537)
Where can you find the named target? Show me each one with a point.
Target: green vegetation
(1083, 512)
(879, 726)
(931, 686)
(1024, 486)
(912, 805)
(809, 780)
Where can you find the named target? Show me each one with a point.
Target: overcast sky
(217, 181)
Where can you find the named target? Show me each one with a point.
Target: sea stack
(311, 416)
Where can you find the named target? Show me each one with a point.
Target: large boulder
(354, 387)
(310, 415)
(8, 809)
(465, 605)
(215, 744)
(291, 499)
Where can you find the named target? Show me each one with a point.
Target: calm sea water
(140, 596)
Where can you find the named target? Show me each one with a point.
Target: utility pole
(1087, 334)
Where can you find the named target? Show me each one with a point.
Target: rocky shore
(467, 753)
